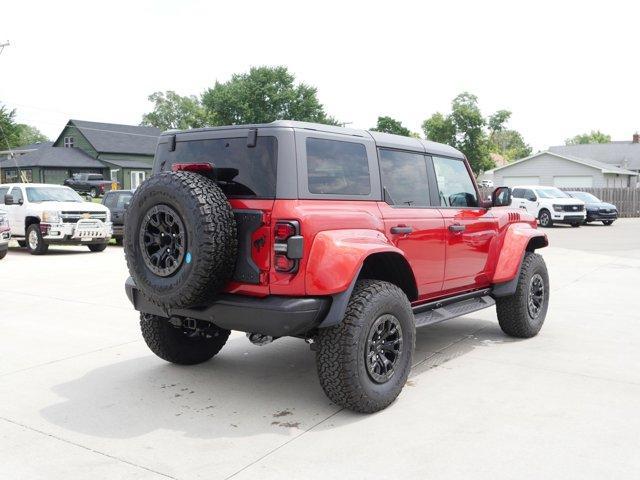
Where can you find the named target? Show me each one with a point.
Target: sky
(562, 68)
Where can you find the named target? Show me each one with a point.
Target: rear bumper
(273, 315)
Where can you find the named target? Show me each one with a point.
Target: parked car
(5, 234)
(92, 183)
(371, 236)
(597, 210)
(549, 205)
(117, 201)
(42, 214)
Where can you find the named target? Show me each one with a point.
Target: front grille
(73, 217)
(573, 208)
(607, 210)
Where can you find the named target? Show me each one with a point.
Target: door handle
(401, 229)
(457, 228)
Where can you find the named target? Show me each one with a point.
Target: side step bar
(436, 312)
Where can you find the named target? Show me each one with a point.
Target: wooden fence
(627, 200)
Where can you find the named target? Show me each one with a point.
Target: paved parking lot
(81, 396)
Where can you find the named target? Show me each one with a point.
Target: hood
(597, 205)
(564, 201)
(70, 206)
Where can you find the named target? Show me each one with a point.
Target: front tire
(3, 253)
(607, 223)
(522, 314)
(545, 218)
(179, 345)
(97, 247)
(93, 193)
(575, 225)
(35, 242)
(363, 363)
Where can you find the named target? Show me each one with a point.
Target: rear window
(336, 167)
(254, 168)
(95, 177)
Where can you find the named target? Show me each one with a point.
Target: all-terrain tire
(40, 248)
(175, 345)
(515, 316)
(342, 350)
(97, 247)
(210, 246)
(545, 219)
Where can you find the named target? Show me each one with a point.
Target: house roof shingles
(115, 138)
(48, 156)
(623, 154)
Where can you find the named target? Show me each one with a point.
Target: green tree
(263, 95)
(507, 143)
(464, 129)
(9, 129)
(29, 134)
(173, 111)
(595, 136)
(390, 125)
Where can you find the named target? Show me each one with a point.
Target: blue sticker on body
(188, 257)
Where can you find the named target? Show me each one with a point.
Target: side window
(454, 183)
(336, 167)
(529, 195)
(110, 200)
(518, 193)
(404, 177)
(3, 192)
(17, 194)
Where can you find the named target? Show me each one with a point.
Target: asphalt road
(81, 396)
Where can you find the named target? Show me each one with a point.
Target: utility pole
(5, 44)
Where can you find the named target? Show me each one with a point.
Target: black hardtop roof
(382, 139)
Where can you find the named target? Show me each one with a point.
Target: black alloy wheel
(536, 295)
(384, 348)
(162, 240)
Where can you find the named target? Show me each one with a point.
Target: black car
(117, 201)
(597, 210)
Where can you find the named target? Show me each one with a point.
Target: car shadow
(17, 250)
(244, 391)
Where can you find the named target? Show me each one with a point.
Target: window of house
(455, 187)
(26, 176)
(11, 176)
(337, 167)
(114, 175)
(404, 178)
(69, 142)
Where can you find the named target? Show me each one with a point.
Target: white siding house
(548, 168)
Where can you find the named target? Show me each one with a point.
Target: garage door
(513, 181)
(575, 181)
(56, 176)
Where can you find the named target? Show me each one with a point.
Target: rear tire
(93, 193)
(575, 225)
(97, 247)
(363, 362)
(35, 242)
(178, 345)
(522, 314)
(545, 218)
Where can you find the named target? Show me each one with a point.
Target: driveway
(81, 396)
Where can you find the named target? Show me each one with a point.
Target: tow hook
(260, 339)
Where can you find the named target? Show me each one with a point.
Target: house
(549, 168)
(123, 153)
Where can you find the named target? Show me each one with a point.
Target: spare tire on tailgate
(180, 239)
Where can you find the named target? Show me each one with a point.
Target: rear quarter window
(337, 167)
(254, 167)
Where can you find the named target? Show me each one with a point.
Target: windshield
(551, 193)
(52, 194)
(585, 197)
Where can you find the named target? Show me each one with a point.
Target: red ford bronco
(346, 238)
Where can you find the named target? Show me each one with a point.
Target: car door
(17, 211)
(411, 221)
(469, 228)
(530, 201)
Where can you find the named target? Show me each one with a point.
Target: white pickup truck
(549, 205)
(41, 215)
(5, 234)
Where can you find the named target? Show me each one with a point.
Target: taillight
(192, 167)
(288, 246)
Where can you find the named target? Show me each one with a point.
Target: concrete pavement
(82, 396)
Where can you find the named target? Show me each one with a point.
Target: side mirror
(126, 205)
(502, 197)
(8, 199)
